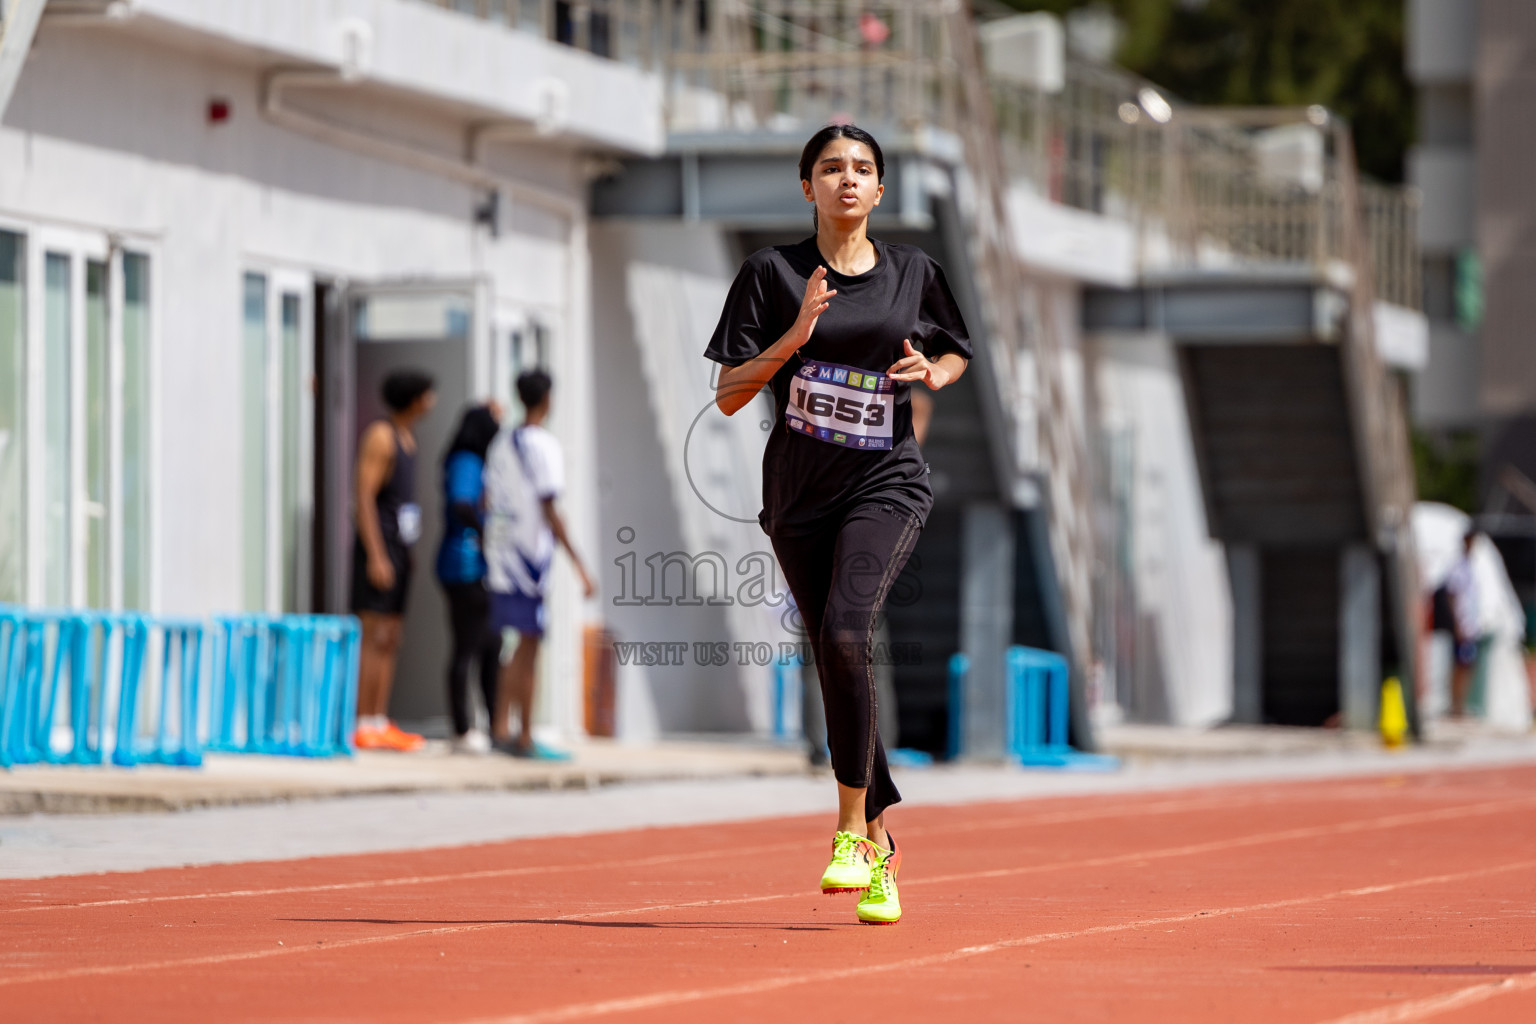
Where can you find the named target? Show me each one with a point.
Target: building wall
(1178, 616)
(1506, 228)
(1442, 58)
(107, 140)
(678, 477)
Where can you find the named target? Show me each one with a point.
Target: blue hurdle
(959, 668)
(1037, 708)
(786, 696)
(284, 684)
(92, 665)
(79, 687)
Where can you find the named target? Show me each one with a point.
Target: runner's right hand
(817, 298)
(381, 573)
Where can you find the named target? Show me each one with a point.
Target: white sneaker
(472, 742)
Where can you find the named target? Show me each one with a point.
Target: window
(97, 440)
(135, 432)
(523, 345)
(277, 501)
(78, 451)
(253, 459)
(13, 416)
(57, 464)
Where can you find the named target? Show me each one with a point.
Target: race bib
(409, 521)
(842, 406)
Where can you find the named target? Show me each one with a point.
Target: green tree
(1345, 54)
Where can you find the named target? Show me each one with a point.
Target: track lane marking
(1432, 1006)
(608, 1007)
(1052, 818)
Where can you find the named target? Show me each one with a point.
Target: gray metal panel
(986, 623)
(641, 188)
(1240, 311)
(758, 189)
(1359, 635)
(1244, 566)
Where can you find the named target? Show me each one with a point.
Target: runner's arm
(557, 526)
(374, 463)
(740, 384)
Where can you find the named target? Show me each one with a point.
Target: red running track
(1360, 901)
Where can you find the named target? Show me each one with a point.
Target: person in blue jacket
(461, 571)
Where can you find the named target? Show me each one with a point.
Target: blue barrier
(786, 684)
(959, 667)
(90, 668)
(1037, 707)
(86, 687)
(284, 684)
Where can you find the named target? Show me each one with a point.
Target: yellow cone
(1394, 713)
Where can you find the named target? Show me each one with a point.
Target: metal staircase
(1277, 257)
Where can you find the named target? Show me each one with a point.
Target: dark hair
(819, 142)
(403, 387)
(477, 429)
(533, 387)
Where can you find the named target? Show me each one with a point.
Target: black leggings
(840, 577)
(469, 610)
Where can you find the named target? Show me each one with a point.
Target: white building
(220, 223)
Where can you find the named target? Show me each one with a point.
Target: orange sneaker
(397, 738)
(370, 739)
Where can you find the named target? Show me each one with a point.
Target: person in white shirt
(524, 476)
(1466, 626)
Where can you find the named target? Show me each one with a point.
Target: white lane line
(1445, 1002)
(1052, 818)
(608, 1007)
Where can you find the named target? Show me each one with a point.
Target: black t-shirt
(810, 476)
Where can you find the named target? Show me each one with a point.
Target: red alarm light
(218, 111)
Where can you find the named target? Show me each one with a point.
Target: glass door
(13, 414)
(84, 440)
(277, 449)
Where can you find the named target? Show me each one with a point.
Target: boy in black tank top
(388, 522)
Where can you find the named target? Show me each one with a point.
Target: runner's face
(844, 185)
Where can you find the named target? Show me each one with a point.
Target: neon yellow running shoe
(880, 904)
(852, 858)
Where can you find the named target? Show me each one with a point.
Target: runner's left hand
(915, 366)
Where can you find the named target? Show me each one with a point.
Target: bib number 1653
(840, 407)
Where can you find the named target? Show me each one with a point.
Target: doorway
(371, 332)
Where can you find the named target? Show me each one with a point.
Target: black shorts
(368, 598)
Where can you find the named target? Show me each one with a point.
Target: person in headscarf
(461, 572)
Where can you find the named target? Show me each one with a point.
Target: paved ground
(722, 786)
(229, 780)
(1347, 897)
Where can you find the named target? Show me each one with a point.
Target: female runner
(839, 327)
